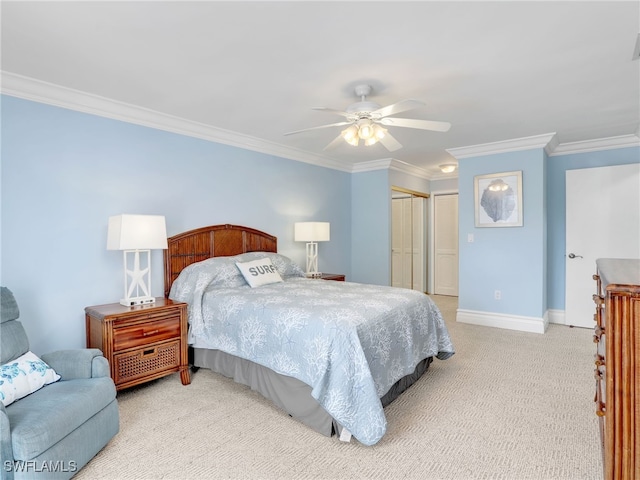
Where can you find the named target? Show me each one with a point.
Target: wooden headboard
(213, 241)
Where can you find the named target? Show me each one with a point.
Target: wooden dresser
(617, 335)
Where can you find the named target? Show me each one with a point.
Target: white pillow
(259, 272)
(23, 376)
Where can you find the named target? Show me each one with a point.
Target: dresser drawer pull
(599, 360)
(146, 334)
(600, 408)
(599, 331)
(146, 353)
(597, 299)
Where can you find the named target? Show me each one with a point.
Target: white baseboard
(556, 316)
(501, 320)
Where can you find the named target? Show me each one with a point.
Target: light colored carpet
(507, 405)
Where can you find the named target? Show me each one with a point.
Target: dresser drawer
(146, 333)
(142, 316)
(147, 361)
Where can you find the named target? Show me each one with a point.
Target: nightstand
(141, 343)
(333, 276)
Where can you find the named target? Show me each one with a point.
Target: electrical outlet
(497, 295)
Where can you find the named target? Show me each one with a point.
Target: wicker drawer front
(147, 361)
(146, 333)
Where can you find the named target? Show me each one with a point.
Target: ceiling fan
(367, 120)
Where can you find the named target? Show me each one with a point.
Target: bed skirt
(289, 393)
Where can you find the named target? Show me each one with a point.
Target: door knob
(573, 255)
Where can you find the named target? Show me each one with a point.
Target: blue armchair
(53, 432)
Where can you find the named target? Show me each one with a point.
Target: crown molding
(372, 165)
(550, 144)
(43, 92)
(391, 164)
(403, 167)
(546, 141)
(621, 141)
(445, 176)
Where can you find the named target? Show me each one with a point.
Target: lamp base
(133, 301)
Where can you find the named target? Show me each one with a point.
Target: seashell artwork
(498, 199)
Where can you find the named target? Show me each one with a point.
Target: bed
(331, 354)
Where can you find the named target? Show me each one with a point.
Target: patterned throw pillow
(23, 376)
(259, 272)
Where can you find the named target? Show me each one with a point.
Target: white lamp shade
(137, 232)
(311, 231)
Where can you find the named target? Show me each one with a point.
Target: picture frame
(498, 199)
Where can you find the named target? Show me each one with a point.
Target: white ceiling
(494, 70)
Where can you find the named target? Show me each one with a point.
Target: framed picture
(498, 199)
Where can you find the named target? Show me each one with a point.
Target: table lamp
(136, 235)
(312, 232)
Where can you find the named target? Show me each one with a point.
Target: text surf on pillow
(259, 272)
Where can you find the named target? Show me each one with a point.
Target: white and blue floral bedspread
(350, 342)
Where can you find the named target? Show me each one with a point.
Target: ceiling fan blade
(335, 142)
(317, 128)
(333, 110)
(399, 107)
(414, 123)
(390, 143)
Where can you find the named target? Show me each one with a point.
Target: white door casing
(602, 221)
(418, 244)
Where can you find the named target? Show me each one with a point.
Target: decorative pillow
(23, 376)
(286, 267)
(259, 272)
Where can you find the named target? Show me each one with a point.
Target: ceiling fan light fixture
(365, 128)
(350, 134)
(372, 140)
(447, 167)
(379, 132)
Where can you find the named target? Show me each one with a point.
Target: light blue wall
(556, 198)
(371, 227)
(509, 259)
(64, 173)
(476, 288)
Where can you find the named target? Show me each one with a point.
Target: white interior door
(603, 221)
(445, 242)
(408, 243)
